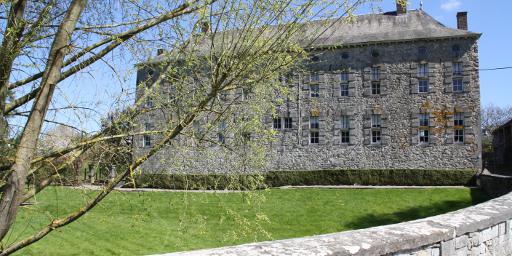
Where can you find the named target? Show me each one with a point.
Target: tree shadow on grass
(414, 213)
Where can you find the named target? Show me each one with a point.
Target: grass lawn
(135, 223)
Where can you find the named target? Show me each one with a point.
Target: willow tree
(216, 46)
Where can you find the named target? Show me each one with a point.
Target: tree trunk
(13, 191)
(9, 50)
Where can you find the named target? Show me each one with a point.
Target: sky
(492, 18)
(99, 87)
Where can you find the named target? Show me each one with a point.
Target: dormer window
(375, 53)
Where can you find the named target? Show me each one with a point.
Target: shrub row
(396, 177)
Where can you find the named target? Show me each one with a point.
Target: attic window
(422, 51)
(315, 58)
(344, 55)
(150, 72)
(375, 53)
(456, 48)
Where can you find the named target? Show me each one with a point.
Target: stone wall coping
(382, 239)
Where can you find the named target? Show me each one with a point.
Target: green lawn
(135, 223)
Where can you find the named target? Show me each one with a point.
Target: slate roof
(366, 29)
(385, 27)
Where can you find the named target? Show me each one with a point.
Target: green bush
(396, 177)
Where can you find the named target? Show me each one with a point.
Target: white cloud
(451, 5)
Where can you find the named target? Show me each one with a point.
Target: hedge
(396, 177)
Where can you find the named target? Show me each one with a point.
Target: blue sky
(99, 86)
(493, 18)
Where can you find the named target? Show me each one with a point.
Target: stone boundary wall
(495, 184)
(484, 229)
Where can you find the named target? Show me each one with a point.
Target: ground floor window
(277, 123)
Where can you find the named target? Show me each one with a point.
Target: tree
(220, 46)
(492, 117)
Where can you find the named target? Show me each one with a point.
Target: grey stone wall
(484, 229)
(399, 106)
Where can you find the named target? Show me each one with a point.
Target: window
(423, 136)
(376, 136)
(422, 51)
(375, 53)
(277, 123)
(315, 90)
(345, 137)
(458, 136)
(376, 121)
(287, 122)
(344, 55)
(246, 93)
(345, 126)
(456, 49)
(457, 68)
(458, 119)
(423, 85)
(149, 102)
(457, 85)
(148, 126)
(375, 74)
(344, 89)
(314, 122)
(146, 141)
(345, 122)
(375, 88)
(314, 137)
(423, 70)
(314, 78)
(344, 83)
(424, 119)
(221, 138)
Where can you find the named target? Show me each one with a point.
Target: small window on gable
(315, 58)
(148, 126)
(344, 55)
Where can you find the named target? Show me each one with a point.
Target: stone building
(502, 148)
(390, 90)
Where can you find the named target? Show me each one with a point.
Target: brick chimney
(401, 7)
(462, 20)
